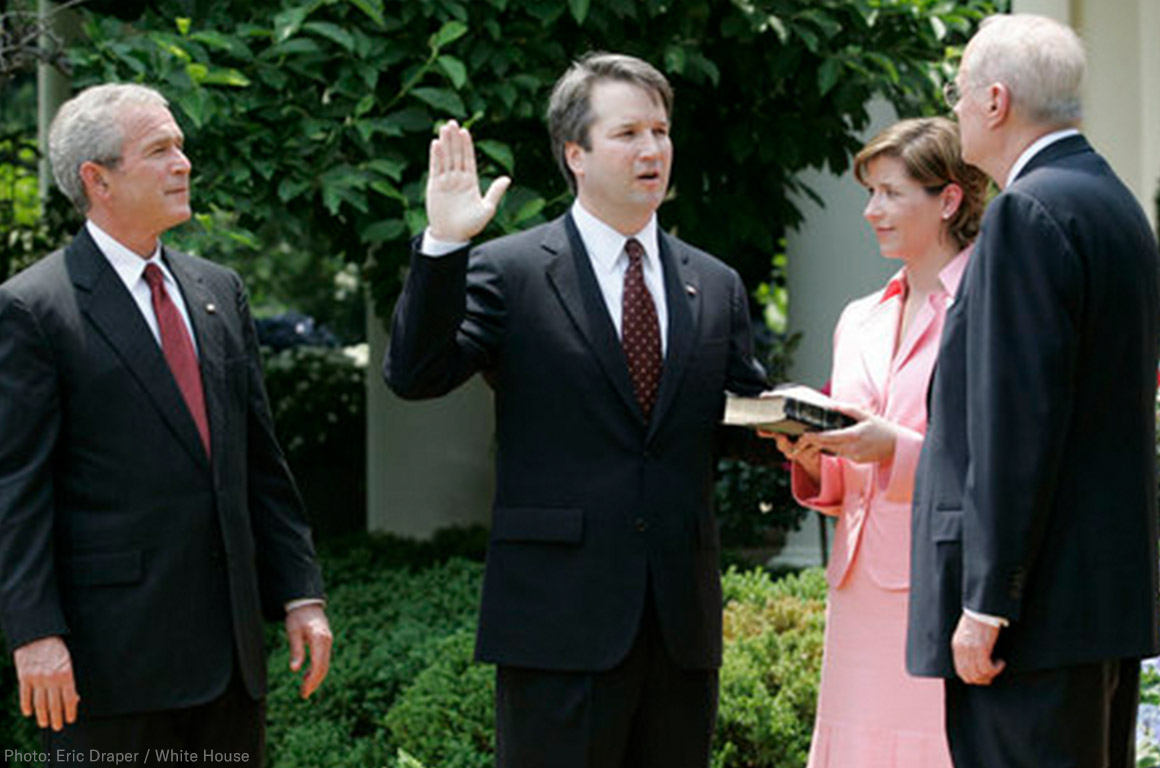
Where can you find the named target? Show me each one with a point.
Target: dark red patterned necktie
(640, 332)
(178, 348)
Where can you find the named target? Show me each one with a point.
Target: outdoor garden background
(307, 125)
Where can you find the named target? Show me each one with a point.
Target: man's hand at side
(47, 686)
(973, 644)
(456, 211)
(307, 626)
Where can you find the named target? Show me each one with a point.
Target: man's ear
(997, 109)
(573, 155)
(94, 177)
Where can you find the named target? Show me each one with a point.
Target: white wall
(429, 463)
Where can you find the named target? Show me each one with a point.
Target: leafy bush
(446, 717)
(318, 399)
(769, 675)
(769, 682)
(752, 501)
(388, 629)
(311, 119)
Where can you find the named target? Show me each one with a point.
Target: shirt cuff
(434, 247)
(986, 618)
(303, 602)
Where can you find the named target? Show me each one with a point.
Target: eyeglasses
(953, 94)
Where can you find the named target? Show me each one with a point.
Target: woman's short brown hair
(930, 151)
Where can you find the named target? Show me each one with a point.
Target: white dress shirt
(131, 269)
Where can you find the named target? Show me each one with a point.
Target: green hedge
(402, 681)
(769, 680)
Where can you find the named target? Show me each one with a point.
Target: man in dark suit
(1034, 586)
(148, 520)
(610, 346)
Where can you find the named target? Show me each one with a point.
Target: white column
(1148, 31)
(53, 88)
(429, 463)
(1056, 9)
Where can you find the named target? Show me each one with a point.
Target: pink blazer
(872, 501)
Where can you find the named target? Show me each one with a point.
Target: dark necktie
(640, 333)
(178, 348)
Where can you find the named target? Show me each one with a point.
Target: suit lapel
(105, 301)
(570, 275)
(207, 329)
(683, 298)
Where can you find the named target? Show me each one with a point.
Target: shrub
(772, 662)
(769, 683)
(446, 717)
(318, 399)
(388, 628)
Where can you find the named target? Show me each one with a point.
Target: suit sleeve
(1025, 295)
(29, 426)
(286, 562)
(447, 324)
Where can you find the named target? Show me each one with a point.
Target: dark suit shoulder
(522, 250)
(37, 277)
(42, 288)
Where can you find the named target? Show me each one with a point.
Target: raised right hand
(47, 686)
(456, 211)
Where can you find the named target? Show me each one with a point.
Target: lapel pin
(211, 308)
(690, 289)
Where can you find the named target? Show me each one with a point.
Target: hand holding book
(869, 440)
(821, 424)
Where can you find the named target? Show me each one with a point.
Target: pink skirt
(871, 713)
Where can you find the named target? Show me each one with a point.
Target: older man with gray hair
(148, 521)
(1034, 550)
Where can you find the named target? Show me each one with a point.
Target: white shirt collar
(128, 265)
(604, 244)
(1037, 146)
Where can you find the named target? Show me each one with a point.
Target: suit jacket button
(641, 524)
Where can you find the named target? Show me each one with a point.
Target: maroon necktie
(640, 332)
(178, 348)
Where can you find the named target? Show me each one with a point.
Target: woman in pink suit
(925, 205)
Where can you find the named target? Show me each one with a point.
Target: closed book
(792, 409)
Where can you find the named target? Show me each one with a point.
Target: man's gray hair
(570, 106)
(88, 128)
(1040, 60)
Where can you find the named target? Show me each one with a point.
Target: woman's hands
(869, 441)
(808, 457)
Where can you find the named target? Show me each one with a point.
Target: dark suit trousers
(643, 713)
(231, 724)
(1074, 717)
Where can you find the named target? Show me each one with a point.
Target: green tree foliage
(309, 120)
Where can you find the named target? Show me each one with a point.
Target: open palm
(456, 211)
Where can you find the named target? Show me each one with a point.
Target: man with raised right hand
(610, 345)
